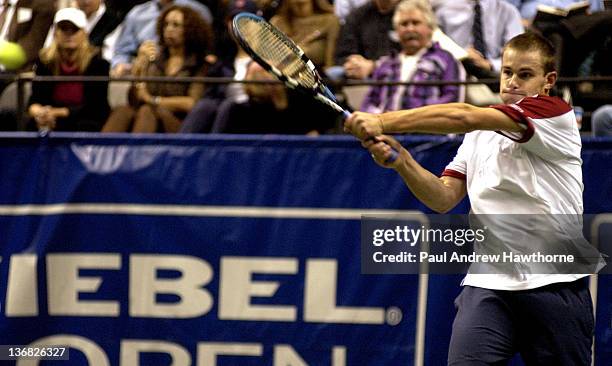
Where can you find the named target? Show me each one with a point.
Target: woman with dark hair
(185, 40)
(73, 105)
(313, 25)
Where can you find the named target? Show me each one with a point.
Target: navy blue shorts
(550, 325)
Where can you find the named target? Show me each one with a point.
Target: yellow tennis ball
(12, 55)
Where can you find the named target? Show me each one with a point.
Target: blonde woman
(313, 25)
(73, 105)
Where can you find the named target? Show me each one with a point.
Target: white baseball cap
(72, 15)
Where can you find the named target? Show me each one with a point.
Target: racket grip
(394, 153)
(393, 157)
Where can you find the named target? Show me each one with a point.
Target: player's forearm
(428, 188)
(439, 119)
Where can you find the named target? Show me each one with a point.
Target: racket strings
(276, 51)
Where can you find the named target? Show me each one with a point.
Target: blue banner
(221, 251)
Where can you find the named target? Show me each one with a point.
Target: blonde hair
(84, 53)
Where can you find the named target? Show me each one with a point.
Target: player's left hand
(363, 125)
(382, 148)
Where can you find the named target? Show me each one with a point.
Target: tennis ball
(12, 55)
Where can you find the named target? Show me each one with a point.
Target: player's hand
(382, 148)
(363, 125)
(358, 67)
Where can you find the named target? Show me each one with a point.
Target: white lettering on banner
(145, 285)
(284, 355)
(208, 351)
(131, 350)
(339, 356)
(94, 354)
(64, 284)
(320, 297)
(237, 288)
(22, 286)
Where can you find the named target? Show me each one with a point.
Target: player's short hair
(530, 41)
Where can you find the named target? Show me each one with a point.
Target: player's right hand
(363, 125)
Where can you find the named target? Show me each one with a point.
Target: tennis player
(520, 157)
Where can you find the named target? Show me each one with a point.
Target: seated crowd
(401, 42)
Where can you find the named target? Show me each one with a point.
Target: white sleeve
(457, 168)
(550, 127)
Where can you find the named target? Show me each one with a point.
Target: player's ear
(551, 79)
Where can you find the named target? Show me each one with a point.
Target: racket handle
(394, 153)
(393, 157)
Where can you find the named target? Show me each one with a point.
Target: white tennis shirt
(536, 171)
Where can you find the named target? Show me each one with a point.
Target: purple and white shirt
(434, 64)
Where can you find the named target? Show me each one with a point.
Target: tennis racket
(279, 55)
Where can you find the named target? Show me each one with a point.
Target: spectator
(601, 121)
(577, 38)
(201, 118)
(69, 106)
(420, 60)
(268, 8)
(484, 39)
(271, 108)
(342, 8)
(27, 23)
(102, 25)
(312, 25)
(365, 37)
(184, 40)
(529, 8)
(139, 26)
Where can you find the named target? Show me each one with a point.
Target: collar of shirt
(95, 17)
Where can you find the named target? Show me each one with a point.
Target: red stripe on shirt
(538, 107)
(454, 174)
